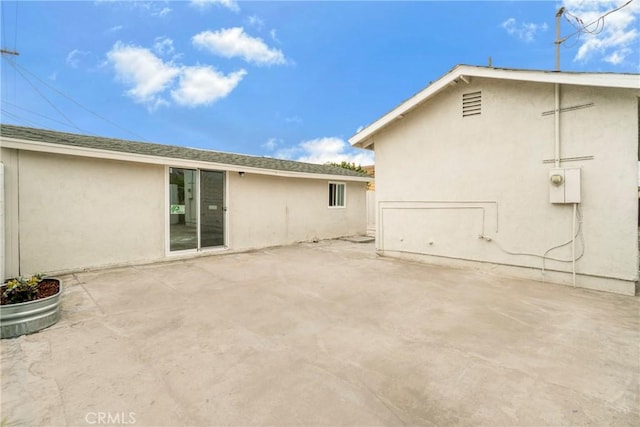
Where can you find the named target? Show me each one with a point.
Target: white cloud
(614, 40)
(140, 68)
(617, 56)
(161, 12)
(327, 149)
(149, 78)
(255, 21)
(114, 29)
(525, 31)
(293, 119)
(75, 56)
(271, 144)
(153, 8)
(274, 35)
(163, 45)
(202, 85)
(204, 4)
(234, 42)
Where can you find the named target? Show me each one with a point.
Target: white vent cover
(471, 104)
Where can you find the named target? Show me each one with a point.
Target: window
(336, 195)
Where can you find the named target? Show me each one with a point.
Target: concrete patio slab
(324, 334)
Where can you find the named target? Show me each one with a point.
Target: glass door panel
(211, 209)
(183, 227)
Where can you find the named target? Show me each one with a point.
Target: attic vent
(471, 104)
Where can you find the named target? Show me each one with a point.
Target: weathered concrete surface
(324, 334)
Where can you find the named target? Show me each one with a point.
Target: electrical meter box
(564, 185)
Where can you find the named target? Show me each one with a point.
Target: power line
(20, 119)
(15, 33)
(580, 22)
(35, 113)
(20, 68)
(4, 25)
(5, 52)
(599, 21)
(43, 95)
(581, 28)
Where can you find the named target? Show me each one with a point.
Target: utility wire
(581, 27)
(584, 28)
(35, 113)
(43, 95)
(17, 118)
(21, 68)
(4, 25)
(15, 33)
(22, 71)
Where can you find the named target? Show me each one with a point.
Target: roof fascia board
(363, 139)
(612, 80)
(44, 147)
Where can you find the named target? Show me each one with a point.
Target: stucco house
(531, 173)
(76, 201)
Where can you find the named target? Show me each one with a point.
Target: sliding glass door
(196, 209)
(211, 209)
(183, 228)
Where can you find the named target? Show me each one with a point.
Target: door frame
(167, 216)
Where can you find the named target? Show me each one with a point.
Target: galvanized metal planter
(31, 316)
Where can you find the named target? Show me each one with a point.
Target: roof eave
(45, 147)
(364, 138)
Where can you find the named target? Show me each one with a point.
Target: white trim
(198, 175)
(364, 138)
(167, 226)
(2, 224)
(45, 147)
(227, 242)
(344, 195)
(167, 215)
(225, 227)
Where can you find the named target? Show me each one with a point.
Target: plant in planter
(29, 304)
(22, 289)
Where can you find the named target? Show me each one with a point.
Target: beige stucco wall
(66, 213)
(9, 159)
(77, 212)
(442, 180)
(269, 210)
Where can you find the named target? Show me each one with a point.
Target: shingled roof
(168, 151)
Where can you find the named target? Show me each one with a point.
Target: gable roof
(363, 139)
(93, 146)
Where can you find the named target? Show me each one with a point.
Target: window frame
(333, 199)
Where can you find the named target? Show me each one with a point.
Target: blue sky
(291, 79)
